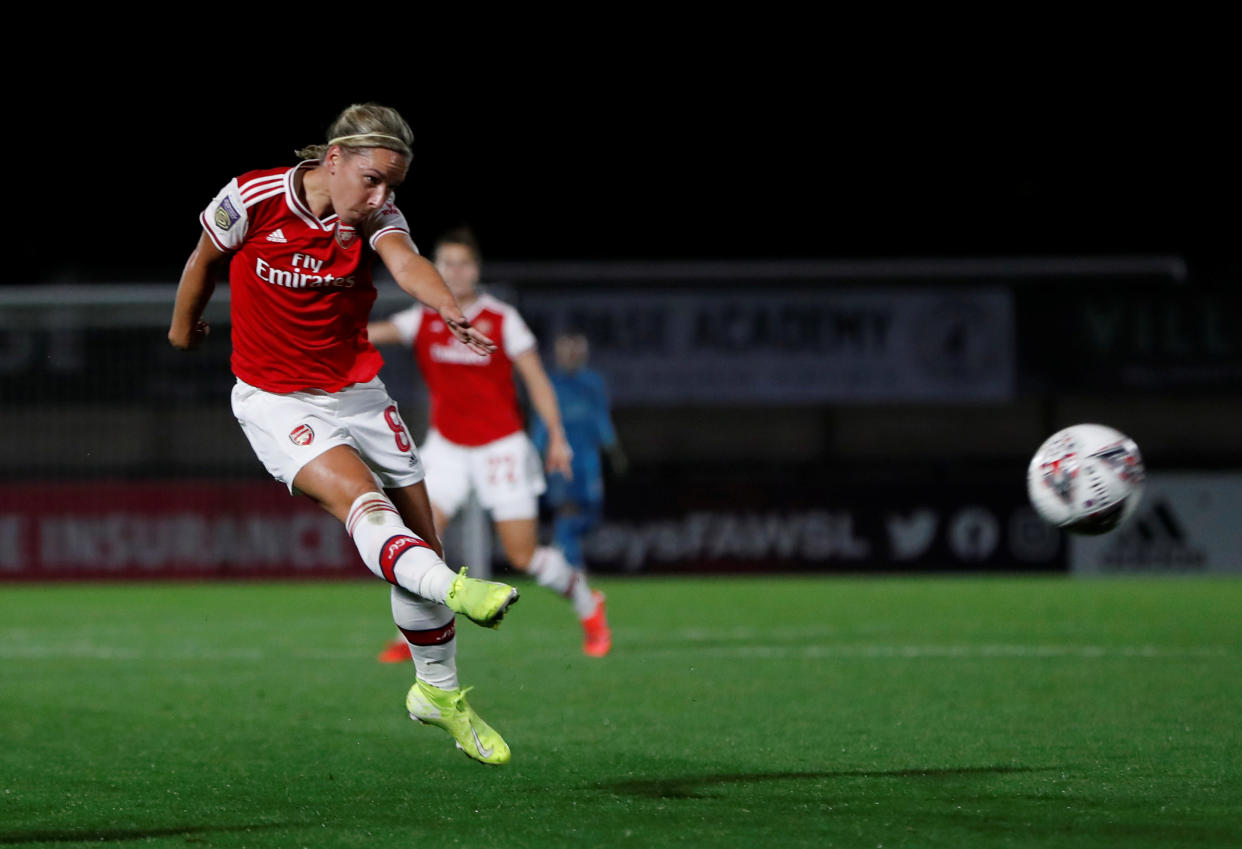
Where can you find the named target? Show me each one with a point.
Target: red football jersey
(473, 398)
(301, 289)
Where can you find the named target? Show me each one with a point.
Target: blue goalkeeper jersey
(583, 398)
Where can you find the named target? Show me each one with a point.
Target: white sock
(550, 569)
(394, 552)
(431, 631)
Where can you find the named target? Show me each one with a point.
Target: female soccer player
(299, 243)
(477, 438)
(578, 499)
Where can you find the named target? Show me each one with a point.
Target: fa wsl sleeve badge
(226, 214)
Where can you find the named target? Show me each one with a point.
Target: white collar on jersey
(482, 301)
(294, 198)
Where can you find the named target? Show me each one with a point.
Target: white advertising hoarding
(1187, 524)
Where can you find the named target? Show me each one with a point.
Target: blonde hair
(365, 125)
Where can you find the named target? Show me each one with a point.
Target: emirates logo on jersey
(302, 435)
(345, 236)
(458, 354)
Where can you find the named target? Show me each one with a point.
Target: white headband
(340, 139)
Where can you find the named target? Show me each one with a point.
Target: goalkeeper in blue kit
(578, 503)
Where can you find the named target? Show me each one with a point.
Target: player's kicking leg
(398, 555)
(429, 594)
(429, 629)
(397, 543)
(437, 698)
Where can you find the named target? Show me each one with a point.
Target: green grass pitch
(740, 712)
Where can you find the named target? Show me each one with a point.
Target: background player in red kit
(477, 438)
(299, 243)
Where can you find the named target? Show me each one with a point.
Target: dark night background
(623, 136)
(625, 156)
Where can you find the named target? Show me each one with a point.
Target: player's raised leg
(344, 486)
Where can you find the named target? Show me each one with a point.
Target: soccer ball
(1086, 479)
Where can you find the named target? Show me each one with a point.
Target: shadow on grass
(116, 835)
(692, 786)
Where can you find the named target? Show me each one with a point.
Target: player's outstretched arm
(198, 281)
(559, 455)
(418, 278)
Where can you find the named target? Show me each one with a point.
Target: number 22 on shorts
(502, 470)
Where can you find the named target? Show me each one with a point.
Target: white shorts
(289, 430)
(506, 475)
